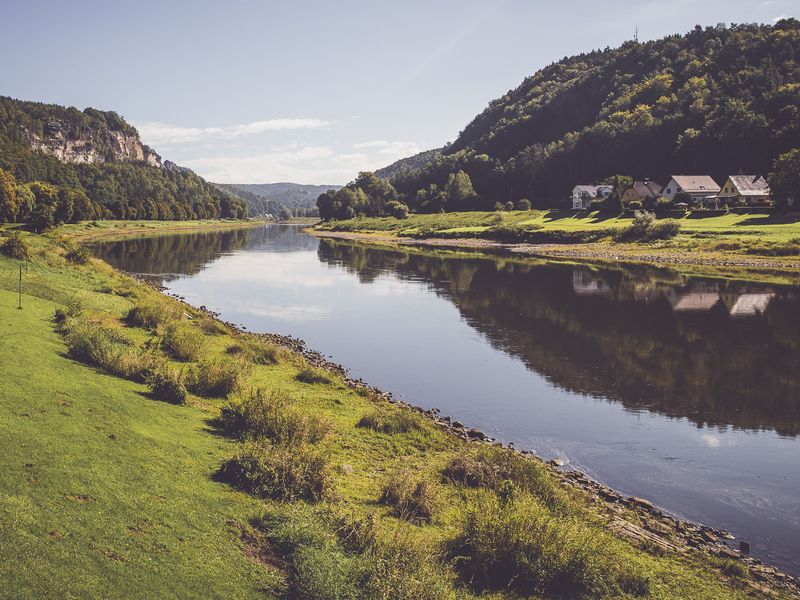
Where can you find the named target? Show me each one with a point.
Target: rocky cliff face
(92, 146)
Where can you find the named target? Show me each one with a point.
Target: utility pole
(19, 306)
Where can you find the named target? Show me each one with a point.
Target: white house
(699, 187)
(582, 195)
(744, 189)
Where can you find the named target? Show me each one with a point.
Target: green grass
(696, 225)
(108, 492)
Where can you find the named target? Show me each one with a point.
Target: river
(679, 389)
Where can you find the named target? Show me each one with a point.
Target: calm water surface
(682, 390)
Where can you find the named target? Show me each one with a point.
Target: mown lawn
(106, 492)
(694, 225)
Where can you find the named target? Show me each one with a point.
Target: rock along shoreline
(653, 527)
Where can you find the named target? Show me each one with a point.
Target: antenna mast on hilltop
(636, 34)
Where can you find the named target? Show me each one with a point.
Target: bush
(15, 246)
(153, 311)
(397, 209)
(258, 352)
(212, 326)
(77, 253)
(166, 385)
(182, 341)
(414, 498)
(362, 562)
(634, 205)
(511, 232)
(215, 378)
(273, 415)
(391, 421)
(285, 473)
(521, 546)
(107, 347)
(646, 228)
(489, 467)
(312, 375)
(666, 204)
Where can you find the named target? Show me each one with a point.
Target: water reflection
(717, 352)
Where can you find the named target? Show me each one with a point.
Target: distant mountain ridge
(271, 197)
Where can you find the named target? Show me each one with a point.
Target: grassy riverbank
(109, 230)
(152, 451)
(757, 239)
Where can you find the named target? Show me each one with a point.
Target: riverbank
(783, 270)
(663, 556)
(111, 230)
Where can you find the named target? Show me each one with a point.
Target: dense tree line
(41, 189)
(716, 100)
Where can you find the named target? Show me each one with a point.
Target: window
(669, 190)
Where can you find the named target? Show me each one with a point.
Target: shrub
(489, 467)
(15, 246)
(362, 562)
(396, 209)
(634, 205)
(256, 351)
(645, 228)
(285, 473)
(665, 204)
(212, 326)
(166, 385)
(107, 347)
(414, 498)
(391, 421)
(182, 341)
(313, 375)
(77, 253)
(521, 546)
(273, 415)
(153, 311)
(511, 232)
(215, 378)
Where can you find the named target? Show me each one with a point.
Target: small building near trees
(744, 190)
(582, 195)
(700, 189)
(641, 191)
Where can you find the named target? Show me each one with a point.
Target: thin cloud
(305, 164)
(154, 132)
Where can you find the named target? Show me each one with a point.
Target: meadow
(151, 450)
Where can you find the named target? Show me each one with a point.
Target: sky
(311, 91)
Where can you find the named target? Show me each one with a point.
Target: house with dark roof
(582, 195)
(641, 191)
(744, 189)
(700, 188)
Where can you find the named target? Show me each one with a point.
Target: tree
(284, 214)
(784, 181)
(397, 209)
(459, 193)
(523, 204)
(9, 203)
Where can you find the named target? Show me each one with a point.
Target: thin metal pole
(20, 287)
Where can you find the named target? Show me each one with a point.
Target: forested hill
(716, 100)
(300, 199)
(418, 161)
(61, 164)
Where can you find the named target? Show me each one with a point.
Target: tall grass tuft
(357, 561)
(519, 545)
(286, 473)
(215, 378)
(313, 375)
(107, 347)
(489, 467)
(152, 311)
(414, 498)
(182, 341)
(255, 351)
(273, 415)
(165, 384)
(391, 421)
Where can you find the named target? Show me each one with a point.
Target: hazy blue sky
(313, 91)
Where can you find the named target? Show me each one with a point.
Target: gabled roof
(696, 183)
(647, 188)
(592, 190)
(750, 185)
